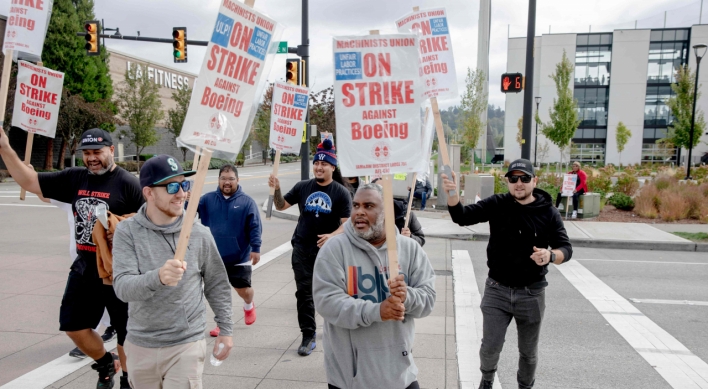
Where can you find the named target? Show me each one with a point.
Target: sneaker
(308, 344)
(250, 315)
(108, 335)
(215, 332)
(575, 215)
(106, 373)
(76, 353)
(124, 384)
(484, 384)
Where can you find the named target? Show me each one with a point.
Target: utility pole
(304, 53)
(528, 87)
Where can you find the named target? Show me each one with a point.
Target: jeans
(303, 262)
(423, 196)
(499, 305)
(576, 195)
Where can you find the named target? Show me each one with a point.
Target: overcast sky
(328, 18)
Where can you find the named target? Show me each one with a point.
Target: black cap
(522, 165)
(95, 139)
(160, 168)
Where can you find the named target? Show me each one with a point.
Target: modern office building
(620, 76)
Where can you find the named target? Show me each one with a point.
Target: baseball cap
(95, 139)
(522, 165)
(160, 168)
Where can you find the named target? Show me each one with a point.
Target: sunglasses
(525, 179)
(173, 187)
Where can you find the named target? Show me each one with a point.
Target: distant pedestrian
(370, 325)
(581, 187)
(423, 190)
(165, 345)
(233, 219)
(265, 156)
(523, 224)
(324, 206)
(272, 156)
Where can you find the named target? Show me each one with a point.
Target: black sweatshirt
(514, 231)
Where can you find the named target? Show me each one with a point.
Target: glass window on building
(588, 153)
(657, 153)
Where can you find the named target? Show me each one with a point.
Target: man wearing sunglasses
(85, 298)
(523, 225)
(165, 344)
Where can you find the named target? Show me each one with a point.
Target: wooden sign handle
(271, 196)
(442, 144)
(410, 200)
(195, 163)
(191, 213)
(390, 225)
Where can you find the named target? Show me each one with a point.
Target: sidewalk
(635, 236)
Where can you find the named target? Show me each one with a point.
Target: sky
(329, 18)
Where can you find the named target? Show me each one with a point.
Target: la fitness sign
(163, 78)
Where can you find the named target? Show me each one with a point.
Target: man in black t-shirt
(85, 296)
(324, 207)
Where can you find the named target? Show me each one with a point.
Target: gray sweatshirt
(348, 286)
(160, 315)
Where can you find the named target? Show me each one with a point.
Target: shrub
(621, 201)
(131, 166)
(673, 206)
(145, 157)
(3, 175)
(500, 185)
(626, 184)
(692, 194)
(646, 202)
(665, 181)
(704, 189)
(600, 184)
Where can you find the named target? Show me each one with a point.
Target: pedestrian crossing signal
(179, 42)
(292, 73)
(512, 82)
(93, 42)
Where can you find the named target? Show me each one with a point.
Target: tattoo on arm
(278, 199)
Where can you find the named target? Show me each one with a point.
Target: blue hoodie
(235, 224)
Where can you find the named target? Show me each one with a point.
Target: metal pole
(528, 87)
(700, 14)
(693, 120)
(305, 55)
(535, 153)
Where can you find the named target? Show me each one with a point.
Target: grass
(693, 236)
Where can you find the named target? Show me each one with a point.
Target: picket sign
(271, 195)
(410, 201)
(4, 86)
(28, 150)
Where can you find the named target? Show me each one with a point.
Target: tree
(176, 115)
(564, 111)
(473, 106)
(681, 106)
(261, 125)
(139, 105)
(543, 150)
(322, 114)
(622, 137)
(519, 135)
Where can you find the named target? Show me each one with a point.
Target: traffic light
(292, 71)
(179, 42)
(512, 82)
(93, 42)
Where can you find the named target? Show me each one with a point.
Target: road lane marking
(630, 260)
(468, 321)
(28, 205)
(671, 359)
(670, 302)
(65, 365)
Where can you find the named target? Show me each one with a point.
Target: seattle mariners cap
(95, 139)
(522, 165)
(160, 168)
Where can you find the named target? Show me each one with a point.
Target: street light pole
(304, 53)
(528, 84)
(535, 153)
(696, 49)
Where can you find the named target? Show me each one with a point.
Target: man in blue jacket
(234, 221)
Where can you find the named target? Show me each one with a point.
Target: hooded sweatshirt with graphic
(348, 286)
(514, 230)
(160, 315)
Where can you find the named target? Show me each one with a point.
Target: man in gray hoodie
(369, 329)
(167, 311)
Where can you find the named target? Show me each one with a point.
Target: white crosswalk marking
(669, 302)
(671, 359)
(468, 321)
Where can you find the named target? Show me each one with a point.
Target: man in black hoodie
(523, 224)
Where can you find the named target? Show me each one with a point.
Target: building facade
(620, 76)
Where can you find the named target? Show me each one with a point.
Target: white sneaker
(575, 215)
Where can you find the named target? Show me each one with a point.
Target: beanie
(326, 152)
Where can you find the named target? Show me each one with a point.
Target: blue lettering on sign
(438, 26)
(347, 66)
(300, 100)
(259, 43)
(222, 30)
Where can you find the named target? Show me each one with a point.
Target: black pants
(303, 262)
(576, 195)
(413, 385)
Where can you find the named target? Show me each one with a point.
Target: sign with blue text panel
(287, 117)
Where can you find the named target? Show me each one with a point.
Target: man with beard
(85, 296)
(523, 224)
(369, 327)
(324, 205)
(234, 221)
(165, 345)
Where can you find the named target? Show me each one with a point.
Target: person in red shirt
(581, 186)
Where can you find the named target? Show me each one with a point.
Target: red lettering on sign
(394, 92)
